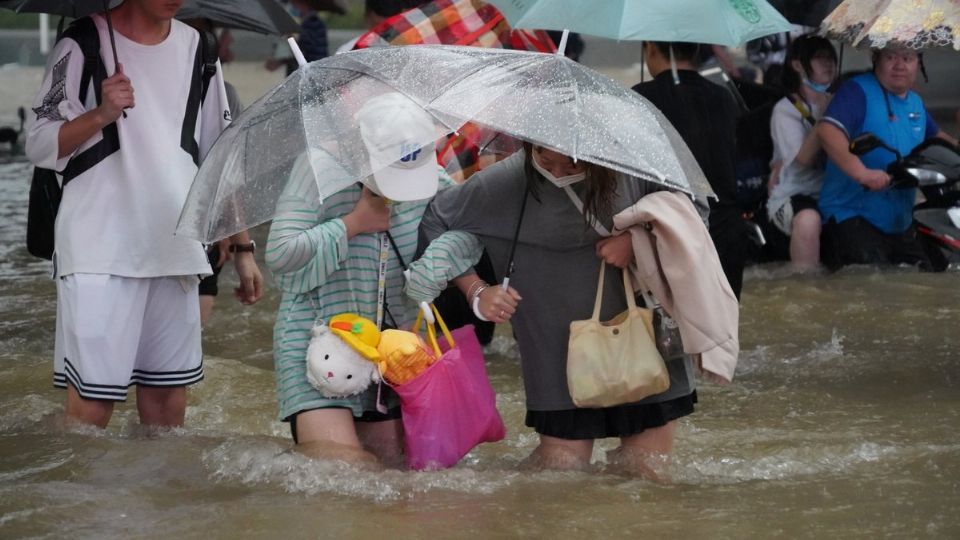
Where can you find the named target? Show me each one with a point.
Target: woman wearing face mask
(554, 277)
(809, 72)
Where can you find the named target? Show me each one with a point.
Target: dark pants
(857, 241)
(729, 235)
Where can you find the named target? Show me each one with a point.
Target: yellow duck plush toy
(403, 356)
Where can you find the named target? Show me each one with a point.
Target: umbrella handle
(427, 313)
(563, 42)
(297, 53)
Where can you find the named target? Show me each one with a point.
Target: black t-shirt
(705, 115)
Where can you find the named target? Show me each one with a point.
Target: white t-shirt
(119, 216)
(788, 130)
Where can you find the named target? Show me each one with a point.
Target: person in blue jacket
(866, 221)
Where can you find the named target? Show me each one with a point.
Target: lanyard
(382, 277)
(386, 243)
(801, 106)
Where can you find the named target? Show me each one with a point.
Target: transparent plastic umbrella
(242, 178)
(552, 101)
(545, 99)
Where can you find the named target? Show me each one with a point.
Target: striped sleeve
(450, 255)
(303, 248)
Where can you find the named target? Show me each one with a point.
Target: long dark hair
(804, 48)
(601, 185)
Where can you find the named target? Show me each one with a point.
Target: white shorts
(113, 332)
(783, 218)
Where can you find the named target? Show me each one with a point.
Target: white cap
(399, 136)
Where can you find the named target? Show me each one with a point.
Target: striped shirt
(322, 274)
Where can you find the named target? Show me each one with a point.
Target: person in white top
(127, 310)
(796, 175)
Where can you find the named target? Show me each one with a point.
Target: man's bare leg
(96, 412)
(162, 406)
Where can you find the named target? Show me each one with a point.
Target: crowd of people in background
(819, 204)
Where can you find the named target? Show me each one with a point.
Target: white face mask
(562, 181)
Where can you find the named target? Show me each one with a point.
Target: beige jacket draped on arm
(677, 262)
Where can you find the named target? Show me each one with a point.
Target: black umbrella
(805, 12)
(261, 16)
(68, 8)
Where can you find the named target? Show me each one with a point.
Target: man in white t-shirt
(127, 306)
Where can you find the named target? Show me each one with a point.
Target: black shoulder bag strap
(204, 68)
(85, 33)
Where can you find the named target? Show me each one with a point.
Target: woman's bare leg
(562, 454)
(646, 454)
(331, 434)
(805, 239)
(384, 440)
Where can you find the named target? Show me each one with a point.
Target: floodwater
(842, 423)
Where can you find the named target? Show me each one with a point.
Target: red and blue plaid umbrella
(457, 22)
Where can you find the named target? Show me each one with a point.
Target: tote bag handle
(431, 332)
(631, 301)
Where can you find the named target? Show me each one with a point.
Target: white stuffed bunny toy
(334, 367)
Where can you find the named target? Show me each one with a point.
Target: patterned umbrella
(917, 24)
(459, 22)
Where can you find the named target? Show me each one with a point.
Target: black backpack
(45, 190)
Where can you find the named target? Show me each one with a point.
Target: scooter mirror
(864, 144)
(926, 177)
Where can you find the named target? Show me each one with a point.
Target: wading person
(864, 220)
(128, 309)
(557, 260)
(705, 115)
(325, 258)
(795, 181)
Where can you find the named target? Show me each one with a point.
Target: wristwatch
(243, 248)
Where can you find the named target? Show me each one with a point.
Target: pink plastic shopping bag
(450, 408)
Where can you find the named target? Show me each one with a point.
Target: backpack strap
(84, 32)
(204, 68)
(209, 53)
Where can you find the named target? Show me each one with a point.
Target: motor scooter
(934, 168)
